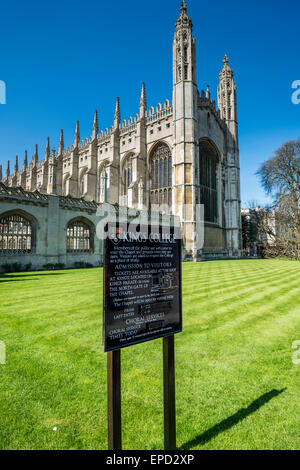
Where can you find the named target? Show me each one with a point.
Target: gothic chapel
(184, 153)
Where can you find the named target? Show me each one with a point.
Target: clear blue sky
(62, 59)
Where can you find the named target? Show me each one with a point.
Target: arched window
(79, 237)
(161, 175)
(127, 175)
(16, 234)
(208, 180)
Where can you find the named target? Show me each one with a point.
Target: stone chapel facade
(178, 155)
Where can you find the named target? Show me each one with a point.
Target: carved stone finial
(35, 156)
(61, 143)
(117, 119)
(8, 169)
(16, 169)
(77, 135)
(207, 92)
(143, 101)
(47, 151)
(25, 161)
(95, 125)
(184, 18)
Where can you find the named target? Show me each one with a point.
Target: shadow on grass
(232, 420)
(24, 277)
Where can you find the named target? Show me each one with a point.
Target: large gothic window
(161, 175)
(79, 237)
(16, 234)
(208, 180)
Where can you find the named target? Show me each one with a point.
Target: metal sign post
(169, 393)
(114, 400)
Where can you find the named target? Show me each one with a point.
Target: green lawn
(237, 387)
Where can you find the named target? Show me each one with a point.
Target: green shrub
(12, 268)
(6, 267)
(59, 266)
(79, 264)
(27, 267)
(16, 267)
(49, 266)
(82, 264)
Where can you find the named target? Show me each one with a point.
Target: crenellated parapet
(161, 113)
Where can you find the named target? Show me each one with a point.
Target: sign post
(142, 302)
(169, 393)
(114, 400)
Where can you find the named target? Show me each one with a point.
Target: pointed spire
(95, 125)
(117, 119)
(47, 151)
(183, 7)
(143, 101)
(35, 156)
(61, 143)
(16, 169)
(226, 66)
(25, 161)
(184, 18)
(77, 135)
(8, 169)
(207, 92)
(0, 172)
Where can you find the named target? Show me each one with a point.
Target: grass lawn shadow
(24, 277)
(232, 420)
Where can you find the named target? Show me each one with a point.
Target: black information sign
(142, 285)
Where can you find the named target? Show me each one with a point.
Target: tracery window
(16, 234)
(208, 180)
(79, 237)
(161, 175)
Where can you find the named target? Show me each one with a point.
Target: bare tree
(280, 177)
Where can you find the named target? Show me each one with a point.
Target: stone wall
(50, 217)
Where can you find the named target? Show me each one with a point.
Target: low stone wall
(50, 216)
